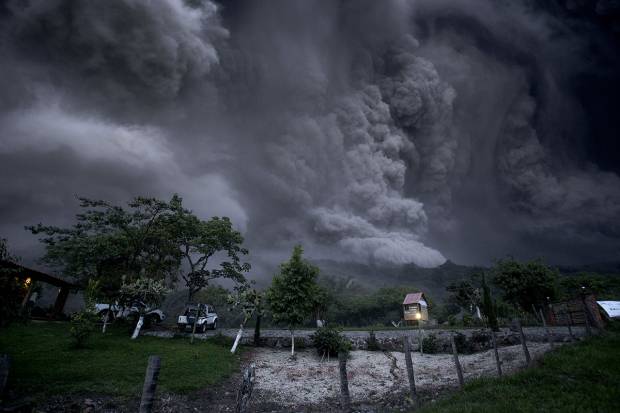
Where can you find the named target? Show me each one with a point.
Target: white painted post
(136, 332)
(237, 339)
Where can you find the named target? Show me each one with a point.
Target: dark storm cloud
(383, 132)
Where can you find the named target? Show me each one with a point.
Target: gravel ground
(373, 376)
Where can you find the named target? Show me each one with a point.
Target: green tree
(12, 290)
(199, 241)
(109, 242)
(525, 284)
(464, 294)
(249, 302)
(83, 322)
(290, 295)
(146, 291)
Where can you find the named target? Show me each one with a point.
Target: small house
(415, 308)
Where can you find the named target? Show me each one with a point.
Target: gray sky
(409, 131)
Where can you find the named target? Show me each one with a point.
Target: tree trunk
(237, 339)
(257, 331)
(105, 321)
(344, 382)
(136, 331)
(191, 340)
(292, 343)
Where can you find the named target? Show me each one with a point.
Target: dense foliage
(83, 322)
(525, 284)
(149, 238)
(358, 308)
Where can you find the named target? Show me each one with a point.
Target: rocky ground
(377, 382)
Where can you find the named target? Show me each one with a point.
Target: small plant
(82, 326)
(328, 341)
(468, 320)
(431, 344)
(372, 341)
(83, 323)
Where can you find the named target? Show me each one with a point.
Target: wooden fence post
(344, 382)
(245, 391)
(150, 384)
(547, 332)
(528, 359)
(420, 337)
(5, 365)
(586, 313)
(569, 320)
(455, 353)
(409, 363)
(497, 360)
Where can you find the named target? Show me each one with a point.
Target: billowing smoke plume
(382, 132)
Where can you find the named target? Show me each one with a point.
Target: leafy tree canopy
(149, 238)
(525, 284)
(199, 241)
(290, 296)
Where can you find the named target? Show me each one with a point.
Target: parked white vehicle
(207, 318)
(154, 316)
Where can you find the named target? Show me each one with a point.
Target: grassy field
(577, 378)
(44, 364)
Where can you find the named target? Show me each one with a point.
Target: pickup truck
(203, 315)
(153, 315)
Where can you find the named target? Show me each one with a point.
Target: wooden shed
(30, 278)
(415, 308)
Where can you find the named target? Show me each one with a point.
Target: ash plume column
(393, 132)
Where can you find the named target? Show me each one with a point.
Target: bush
(82, 326)
(431, 344)
(329, 341)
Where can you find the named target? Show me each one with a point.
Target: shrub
(329, 341)
(82, 326)
(431, 344)
(468, 320)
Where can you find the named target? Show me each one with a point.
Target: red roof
(413, 298)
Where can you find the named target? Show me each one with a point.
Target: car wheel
(203, 328)
(214, 326)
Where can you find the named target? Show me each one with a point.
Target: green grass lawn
(578, 378)
(43, 363)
